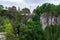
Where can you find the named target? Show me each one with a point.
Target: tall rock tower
(13, 12)
(25, 15)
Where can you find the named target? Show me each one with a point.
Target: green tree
(52, 32)
(57, 12)
(9, 30)
(19, 16)
(1, 24)
(31, 31)
(1, 9)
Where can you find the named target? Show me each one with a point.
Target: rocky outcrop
(2, 36)
(51, 20)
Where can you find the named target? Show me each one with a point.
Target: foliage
(1, 24)
(32, 30)
(19, 16)
(52, 32)
(1, 9)
(8, 27)
(9, 30)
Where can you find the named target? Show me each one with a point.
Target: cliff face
(51, 20)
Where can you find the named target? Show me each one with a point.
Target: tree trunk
(55, 20)
(51, 19)
(47, 20)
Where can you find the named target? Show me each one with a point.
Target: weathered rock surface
(2, 36)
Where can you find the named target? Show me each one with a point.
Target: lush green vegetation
(32, 29)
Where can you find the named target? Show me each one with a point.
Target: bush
(31, 31)
(9, 30)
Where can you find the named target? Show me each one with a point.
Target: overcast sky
(31, 4)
